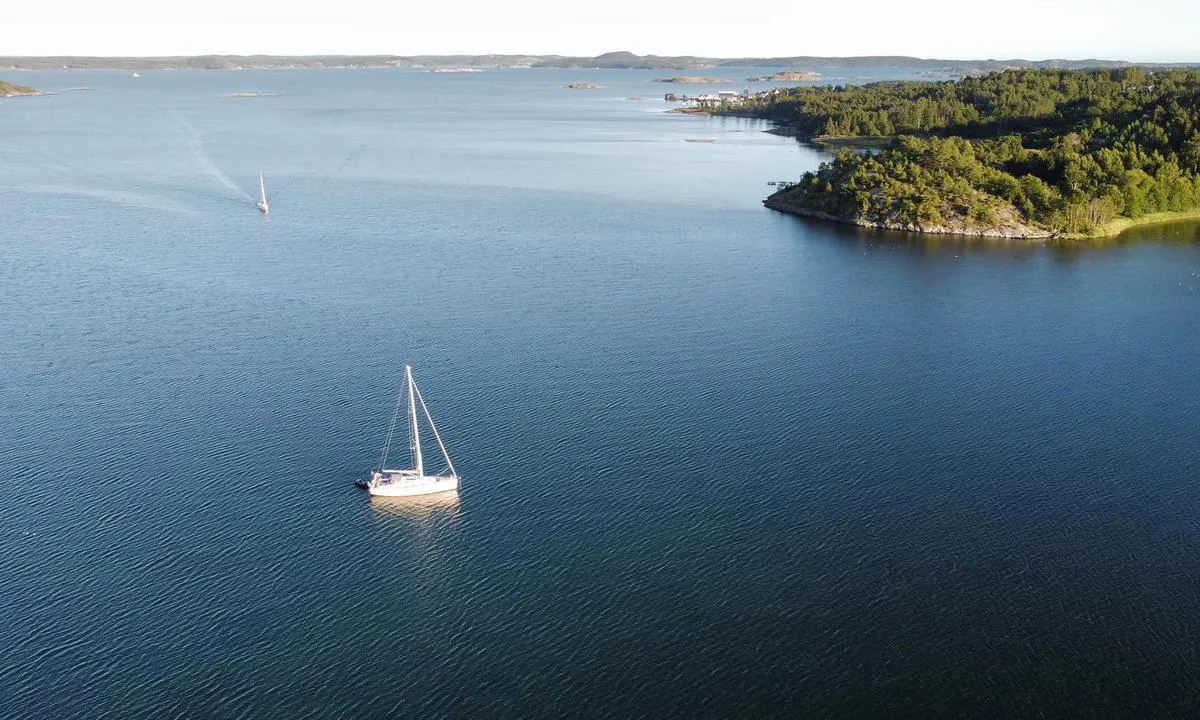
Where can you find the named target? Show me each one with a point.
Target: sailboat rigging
(413, 481)
(262, 196)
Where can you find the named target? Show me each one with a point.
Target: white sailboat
(412, 481)
(262, 195)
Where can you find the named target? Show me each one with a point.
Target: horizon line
(561, 55)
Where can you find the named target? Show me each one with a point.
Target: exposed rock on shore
(692, 80)
(788, 76)
(1008, 223)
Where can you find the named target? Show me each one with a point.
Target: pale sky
(1146, 30)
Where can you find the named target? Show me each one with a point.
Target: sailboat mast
(262, 189)
(412, 419)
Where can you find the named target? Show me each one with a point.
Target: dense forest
(1065, 151)
(7, 88)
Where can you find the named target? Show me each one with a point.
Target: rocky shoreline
(1011, 230)
(788, 76)
(692, 80)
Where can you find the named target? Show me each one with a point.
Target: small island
(8, 90)
(585, 86)
(1014, 154)
(691, 80)
(788, 76)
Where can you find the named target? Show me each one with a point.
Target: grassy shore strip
(1120, 225)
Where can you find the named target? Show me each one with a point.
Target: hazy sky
(1147, 30)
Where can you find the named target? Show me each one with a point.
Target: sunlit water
(718, 462)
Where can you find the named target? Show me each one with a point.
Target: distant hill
(628, 61)
(612, 60)
(877, 61)
(269, 62)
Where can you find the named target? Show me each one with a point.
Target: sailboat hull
(405, 484)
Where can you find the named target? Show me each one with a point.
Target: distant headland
(611, 60)
(8, 89)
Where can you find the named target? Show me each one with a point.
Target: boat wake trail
(117, 197)
(196, 145)
(40, 174)
(352, 157)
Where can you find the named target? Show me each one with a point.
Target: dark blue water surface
(718, 462)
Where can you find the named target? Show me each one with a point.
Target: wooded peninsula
(1019, 153)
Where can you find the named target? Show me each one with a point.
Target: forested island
(8, 89)
(1020, 153)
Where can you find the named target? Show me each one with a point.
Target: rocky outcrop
(8, 89)
(1009, 223)
(692, 80)
(788, 76)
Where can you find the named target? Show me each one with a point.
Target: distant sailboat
(411, 481)
(262, 195)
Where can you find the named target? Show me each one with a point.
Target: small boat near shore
(411, 481)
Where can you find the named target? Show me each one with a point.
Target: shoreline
(1113, 228)
(1109, 230)
(10, 89)
(1003, 232)
(839, 140)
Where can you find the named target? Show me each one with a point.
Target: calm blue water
(718, 462)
